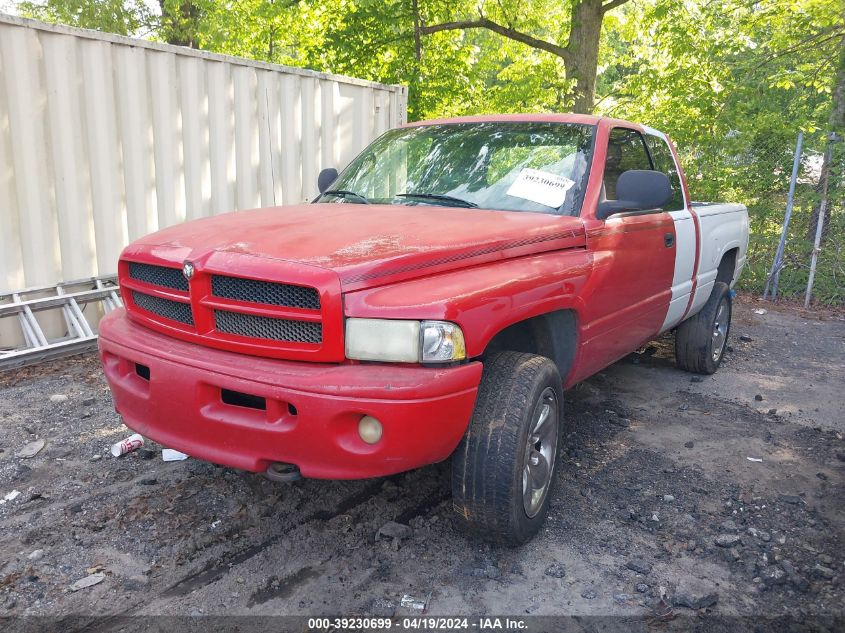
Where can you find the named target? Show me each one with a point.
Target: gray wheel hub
(720, 329)
(540, 452)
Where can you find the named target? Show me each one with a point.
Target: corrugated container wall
(105, 138)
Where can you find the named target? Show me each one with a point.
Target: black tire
(696, 348)
(489, 464)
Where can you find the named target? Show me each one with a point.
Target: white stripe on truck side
(684, 263)
(685, 237)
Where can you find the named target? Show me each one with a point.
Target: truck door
(685, 229)
(633, 265)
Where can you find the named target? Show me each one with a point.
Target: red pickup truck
(435, 300)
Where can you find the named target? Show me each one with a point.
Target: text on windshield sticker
(541, 187)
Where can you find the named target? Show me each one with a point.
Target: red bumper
(311, 411)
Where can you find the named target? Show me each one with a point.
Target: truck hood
(370, 245)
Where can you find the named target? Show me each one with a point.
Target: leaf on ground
(88, 581)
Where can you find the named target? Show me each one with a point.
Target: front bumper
(311, 410)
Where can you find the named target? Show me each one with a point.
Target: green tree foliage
(113, 16)
(732, 82)
(184, 22)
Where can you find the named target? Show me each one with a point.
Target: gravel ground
(679, 496)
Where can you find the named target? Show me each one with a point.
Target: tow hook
(282, 473)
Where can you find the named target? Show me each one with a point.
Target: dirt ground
(719, 495)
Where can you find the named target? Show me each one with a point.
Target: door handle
(669, 240)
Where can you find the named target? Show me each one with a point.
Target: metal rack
(71, 298)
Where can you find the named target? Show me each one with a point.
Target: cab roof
(584, 119)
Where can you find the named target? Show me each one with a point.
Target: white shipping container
(106, 138)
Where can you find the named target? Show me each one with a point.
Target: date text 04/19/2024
(424, 623)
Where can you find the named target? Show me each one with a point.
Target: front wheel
(700, 341)
(503, 472)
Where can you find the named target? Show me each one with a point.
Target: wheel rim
(540, 452)
(720, 329)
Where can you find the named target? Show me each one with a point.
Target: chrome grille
(268, 328)
(159, 276)
(173, 310)
(255, 291)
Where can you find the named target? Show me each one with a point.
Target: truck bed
(723, 227)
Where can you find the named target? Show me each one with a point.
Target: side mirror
(636, 190)
(326, 178)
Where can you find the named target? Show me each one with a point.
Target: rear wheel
(700, 341)
(503, 472)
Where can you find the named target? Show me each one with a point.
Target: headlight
(383, 340)
(442, 342)
(396, 341)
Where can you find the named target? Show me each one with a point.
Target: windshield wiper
(345, 193)
(439, 196)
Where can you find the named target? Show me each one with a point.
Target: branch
(504, 13)
(484, 23)
(615, 93)
(825, 35)
(609, 6)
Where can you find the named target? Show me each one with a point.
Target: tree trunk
(179, 23)
(580, 55)
(836, 123)
(415, 10)
(583, 47)
(837, 113)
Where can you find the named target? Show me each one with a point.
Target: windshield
(537, 167)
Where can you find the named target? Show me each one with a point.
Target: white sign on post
(541, 187)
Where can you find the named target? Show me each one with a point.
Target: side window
(665, 162)
(625, 150)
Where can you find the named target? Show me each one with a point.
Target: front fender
(482, 300)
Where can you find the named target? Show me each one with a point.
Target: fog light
(369, 429)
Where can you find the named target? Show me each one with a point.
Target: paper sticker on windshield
(540, 187)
